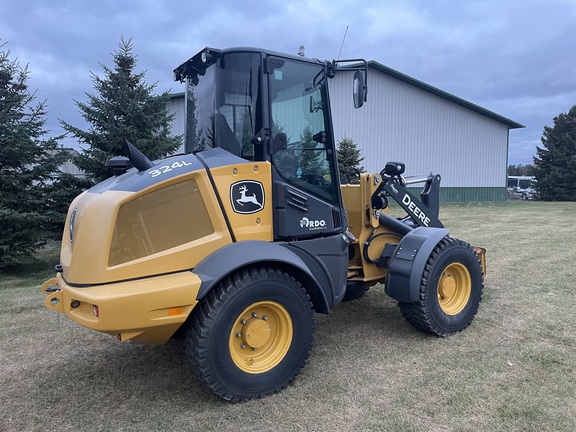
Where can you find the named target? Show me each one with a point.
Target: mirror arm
(363, 66)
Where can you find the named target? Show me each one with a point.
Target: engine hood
(143, 223)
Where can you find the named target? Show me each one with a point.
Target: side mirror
(360, 78)
(359, 89)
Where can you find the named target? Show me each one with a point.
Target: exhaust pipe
(138, 160)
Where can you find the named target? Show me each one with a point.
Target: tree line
(35, 195)
(520, 170)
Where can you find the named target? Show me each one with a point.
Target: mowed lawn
(513, 369)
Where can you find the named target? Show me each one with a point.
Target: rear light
(95, 311)
(175, 311)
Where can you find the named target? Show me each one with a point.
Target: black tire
(354, 290)
(251, 335)
(450, 290)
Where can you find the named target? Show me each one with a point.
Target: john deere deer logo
(247, 197)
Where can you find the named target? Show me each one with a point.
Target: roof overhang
(445, 95)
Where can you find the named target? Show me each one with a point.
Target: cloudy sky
(514, 57)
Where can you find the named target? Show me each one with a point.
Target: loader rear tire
(354, 290)
(450, 290)
(251, 335)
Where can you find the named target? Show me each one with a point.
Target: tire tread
(205, 315)
(419, 314)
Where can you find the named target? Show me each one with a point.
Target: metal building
(177, 108)
(409, 121)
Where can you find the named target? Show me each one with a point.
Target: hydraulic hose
(394, 224)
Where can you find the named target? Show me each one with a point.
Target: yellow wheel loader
(237, 243)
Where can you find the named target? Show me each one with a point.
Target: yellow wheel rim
(454, 288)
(261, 337)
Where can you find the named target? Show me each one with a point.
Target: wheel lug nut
(254, 314)
(238, 334)
(243, 321)
(253, 349)
(242, 346)
(264, 317)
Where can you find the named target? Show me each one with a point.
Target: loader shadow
(115, 377)
(123, 377)
(374, 313)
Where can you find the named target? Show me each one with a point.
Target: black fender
(408, 261)
(234, 256)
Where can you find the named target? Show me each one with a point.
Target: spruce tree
(313, 155)
(28, 164)
(124, 108)
(349, 159)
(555, 165)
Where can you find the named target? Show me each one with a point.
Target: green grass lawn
(513, 369)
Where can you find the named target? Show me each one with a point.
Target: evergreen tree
(555, 165)
(124, 108)
(349, 160)
(313, 160)
(28, 164)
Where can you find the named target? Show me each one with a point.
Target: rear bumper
(147, 310)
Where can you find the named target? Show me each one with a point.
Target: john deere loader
(237, 243)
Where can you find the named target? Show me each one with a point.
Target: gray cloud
(515, 57)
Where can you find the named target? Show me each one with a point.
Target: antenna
(343, 39)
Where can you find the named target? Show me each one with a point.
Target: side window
(222, 104)
(239, 118)
(303, 156)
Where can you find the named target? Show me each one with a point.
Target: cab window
(303, 151)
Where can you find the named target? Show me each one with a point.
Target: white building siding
(404, 123)
(176, 107)
(68, 167)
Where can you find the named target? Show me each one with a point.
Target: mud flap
(408, 261)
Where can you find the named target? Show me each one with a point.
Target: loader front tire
(450, 290)
(251, 335)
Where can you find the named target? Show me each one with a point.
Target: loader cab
(264, 106)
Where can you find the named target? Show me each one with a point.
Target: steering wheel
(315, 179)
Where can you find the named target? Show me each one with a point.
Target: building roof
(445, 95)
(430, 89)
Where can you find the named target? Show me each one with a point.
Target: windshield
(221, 106)
(300, 111)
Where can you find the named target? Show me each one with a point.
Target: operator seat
(224, 136)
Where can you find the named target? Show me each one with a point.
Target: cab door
(307, 198)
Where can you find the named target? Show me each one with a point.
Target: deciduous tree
(520, 170)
